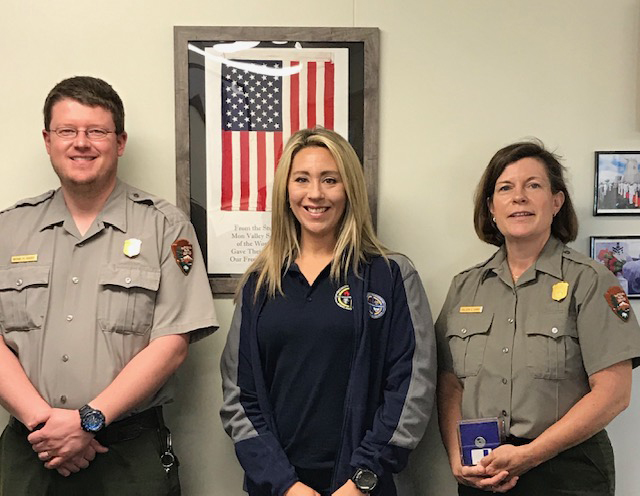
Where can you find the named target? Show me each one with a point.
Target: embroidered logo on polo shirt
(618, 301)
(377, 305)
(343, 298)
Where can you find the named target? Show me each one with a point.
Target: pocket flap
(469, 324)
(553, 325)
(20, 277)
(130, 276)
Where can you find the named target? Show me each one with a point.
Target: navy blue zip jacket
(389, 396)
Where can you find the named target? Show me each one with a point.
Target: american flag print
(259, 112)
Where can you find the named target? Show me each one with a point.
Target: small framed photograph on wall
(621, 255)
(617, 183)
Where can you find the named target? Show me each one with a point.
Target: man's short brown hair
(89, 91)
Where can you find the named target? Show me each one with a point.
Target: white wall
(459, 79)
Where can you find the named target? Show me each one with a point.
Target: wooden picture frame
(204, 57)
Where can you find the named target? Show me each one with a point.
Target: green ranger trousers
(129, 468)
(584, 470)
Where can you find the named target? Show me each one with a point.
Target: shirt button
(554, 330)
(504, 381)
(19, 282)
(463, 331)
(65, 358)
(63, 399)
(505, 350)
(510, 321)
(80, 245)
(504, 413)
(75, 280)
(69, 318)
(127, 280)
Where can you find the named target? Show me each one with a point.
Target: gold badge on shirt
(471, 309)
(132, 247)
(559, 290)
(24, 258)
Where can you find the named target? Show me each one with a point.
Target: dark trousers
(131, 467)
(584, 470)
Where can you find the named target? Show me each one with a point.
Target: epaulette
(169, 211)
(479, 265)
(31, 202)
(580, 258)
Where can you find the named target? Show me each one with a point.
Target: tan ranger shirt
(75, 309)
(520, 353)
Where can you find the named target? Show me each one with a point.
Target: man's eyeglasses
(92, 133)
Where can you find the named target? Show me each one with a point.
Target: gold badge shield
(132, 247)
(559, 290)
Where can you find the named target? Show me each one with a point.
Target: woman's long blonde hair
(356, 237)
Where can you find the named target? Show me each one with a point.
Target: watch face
(366, 480)
(93, 421)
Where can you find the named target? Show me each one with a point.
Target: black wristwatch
(365, 480)
(91, 420)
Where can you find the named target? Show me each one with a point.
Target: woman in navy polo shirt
(329, 367)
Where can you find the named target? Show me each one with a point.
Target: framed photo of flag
(241, 92)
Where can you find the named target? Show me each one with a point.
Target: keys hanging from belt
(167, 458)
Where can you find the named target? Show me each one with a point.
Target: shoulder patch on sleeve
(30, 202)
(183, 254)
(618, 301)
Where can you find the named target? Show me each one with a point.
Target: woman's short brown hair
(565, 223)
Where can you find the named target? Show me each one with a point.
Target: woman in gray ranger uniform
(539, 336)
(329, 369)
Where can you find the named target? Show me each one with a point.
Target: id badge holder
(478, 437)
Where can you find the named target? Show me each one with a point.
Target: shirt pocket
(127, 298)
(552, 343)
(467, 336)
(24, 297)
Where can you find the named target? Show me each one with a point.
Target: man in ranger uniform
(102, 288)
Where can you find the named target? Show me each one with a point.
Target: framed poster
(240, 93)
(621, 255)
(617, 183)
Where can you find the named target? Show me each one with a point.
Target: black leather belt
(517, 441)
(122, 430)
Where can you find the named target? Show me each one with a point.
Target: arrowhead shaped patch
(183, 254)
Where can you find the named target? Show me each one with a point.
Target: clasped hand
(499, 470)
(62, 444)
